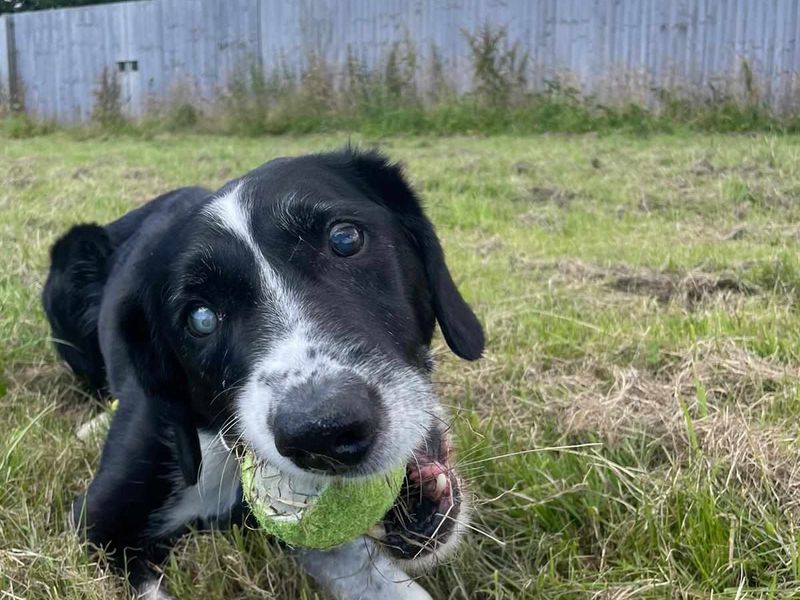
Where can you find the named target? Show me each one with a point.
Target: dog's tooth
(441, 483)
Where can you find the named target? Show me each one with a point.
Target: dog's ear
(153, 375)
(461, 328)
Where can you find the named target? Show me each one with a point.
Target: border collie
(291, 313)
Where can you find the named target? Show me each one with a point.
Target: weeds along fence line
(259, 66)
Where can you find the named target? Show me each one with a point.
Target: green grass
(640, 297)
(300, 112)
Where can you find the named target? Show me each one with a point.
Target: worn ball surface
(317, 516)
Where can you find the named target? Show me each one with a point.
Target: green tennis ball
(310, 516)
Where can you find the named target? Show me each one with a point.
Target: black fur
(117, 298)
(71, 298)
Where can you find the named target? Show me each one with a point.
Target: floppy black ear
(461, 328)
(152, 375)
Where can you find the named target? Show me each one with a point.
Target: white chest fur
(213, 495)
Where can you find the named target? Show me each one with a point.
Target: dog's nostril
(349, 438)
(352, 446)
(328, 447)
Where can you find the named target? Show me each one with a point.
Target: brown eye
(346, 239)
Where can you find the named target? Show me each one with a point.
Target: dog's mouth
(426, 512)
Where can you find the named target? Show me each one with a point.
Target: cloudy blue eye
(202, 321)
(346, 239)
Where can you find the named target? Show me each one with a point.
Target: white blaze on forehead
(231, 212)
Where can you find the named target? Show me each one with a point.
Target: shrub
(498, 69)
(107, 110)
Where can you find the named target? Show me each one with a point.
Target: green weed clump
(107, 111)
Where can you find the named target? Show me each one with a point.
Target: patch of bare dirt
(51, 380)
(548, 195)
(137, 174)
(224, 172)
(536, 218)
(742, 211)
(689, 288)
(489, 245)
(472, 165)
(521, 167)
(703, 167)
(20, 176)
(692, 288)
(737, 233)
(36, 377)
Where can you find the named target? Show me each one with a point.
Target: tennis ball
(311, 515)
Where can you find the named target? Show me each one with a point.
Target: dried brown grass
(705, 404)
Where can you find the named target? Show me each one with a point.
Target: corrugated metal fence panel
(614, 50)
(206, 41)
(59, 56)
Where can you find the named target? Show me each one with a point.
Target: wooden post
(15, 99)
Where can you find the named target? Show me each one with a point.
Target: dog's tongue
(427, 507)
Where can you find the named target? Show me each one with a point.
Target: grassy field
(640, 297)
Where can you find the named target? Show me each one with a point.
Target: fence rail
(611, 49)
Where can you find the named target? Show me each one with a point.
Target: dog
(291, 312)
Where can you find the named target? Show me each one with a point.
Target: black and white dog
(290, 312)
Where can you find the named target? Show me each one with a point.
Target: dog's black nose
(327, 424)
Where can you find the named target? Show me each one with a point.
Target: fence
(611, 49)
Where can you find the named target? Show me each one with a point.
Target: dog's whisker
(565, 448)
(477, 530)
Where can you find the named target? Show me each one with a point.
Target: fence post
(14, 95)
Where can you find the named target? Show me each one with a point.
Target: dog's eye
(202, 321)
(346, 239)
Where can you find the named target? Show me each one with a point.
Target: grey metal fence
(612, 49)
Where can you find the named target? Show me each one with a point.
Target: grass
(640, 297)
(295, 111)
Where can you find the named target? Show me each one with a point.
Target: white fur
(408, 401)
(230, 212)
(357, 571)
(152, 590)
(288, 356)
(213, 495)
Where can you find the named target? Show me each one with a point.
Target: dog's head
(296, 308)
